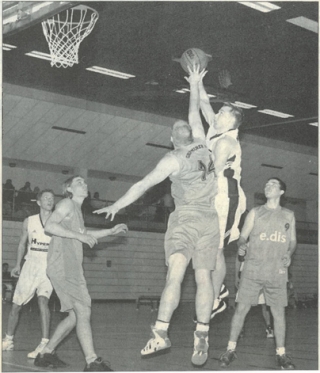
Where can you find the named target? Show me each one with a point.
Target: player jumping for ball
(230, 200)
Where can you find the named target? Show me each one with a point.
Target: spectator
(7, 197)
(35, 192)
(86, 205)
(96, 202)
(24, 195)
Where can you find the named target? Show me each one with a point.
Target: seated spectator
(24, 195)
(35, 192)
(96, 202)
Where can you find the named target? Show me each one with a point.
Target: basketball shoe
(200, 350)
(98, 366)
(39, 348)
(284, 361)
(157, 344)
(227, 357)
(49, 360)
(7, 344)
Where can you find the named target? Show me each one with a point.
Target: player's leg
(7, 342)
(43, 303)
(177, 264)
(204, 302)
(218, 276)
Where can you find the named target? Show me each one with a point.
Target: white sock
(202, 327)
(9, 337)
(91, 359)
(280, 351)
(44, 340)
(161, 325)
(232, 346)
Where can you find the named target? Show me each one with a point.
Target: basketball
(194, 56)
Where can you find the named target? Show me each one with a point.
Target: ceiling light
(262, 6)
(243, 105)
(271, 166)
(210, 95)
(314, 124)
(114, 73)
(304, 22)
(275, 113)
(42, 56)
(8, 47)
(179, 90)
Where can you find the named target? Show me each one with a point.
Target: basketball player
(261, 300)
(272, 233)
(33, 278)
(66, 273)
(230, 200)
(192, 231)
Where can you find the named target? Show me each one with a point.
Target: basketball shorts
(32, 279)
(275, 292)
(71, 290)
(195, 234)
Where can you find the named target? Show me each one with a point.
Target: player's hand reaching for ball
(119, 228)
(109, 211)
(195, 75)
(88, 239)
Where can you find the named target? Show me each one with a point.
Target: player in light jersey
(192, 231)
(230, 200)
(33, 278)
(272, 233)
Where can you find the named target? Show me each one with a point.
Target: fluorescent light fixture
(114, 73)
(179, 90)
(210, 95)
(304, 22)
(316, 124)
(275, 113)
(243, 105)
(262, 6)
(42, 56)
(8, 47)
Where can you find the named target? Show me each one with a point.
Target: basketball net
(65, 31)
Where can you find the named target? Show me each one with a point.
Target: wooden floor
(120, 332)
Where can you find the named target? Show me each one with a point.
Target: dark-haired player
(33, 278)
(272, 233)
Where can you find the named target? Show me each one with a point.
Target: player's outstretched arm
(15, 272)
(194, 109)
(205, 105)
(164, 168)
(53, 225)
(119, 228)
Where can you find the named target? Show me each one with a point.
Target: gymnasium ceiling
(273, 63)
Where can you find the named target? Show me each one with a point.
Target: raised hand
(195, 75)
(109, 210)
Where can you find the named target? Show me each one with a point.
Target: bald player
(192, 232)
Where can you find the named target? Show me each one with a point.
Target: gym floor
(120, 332)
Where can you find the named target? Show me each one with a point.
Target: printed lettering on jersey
(274, 237)
(287, 226)
(35, 242)
(206, 170)
(188, 155)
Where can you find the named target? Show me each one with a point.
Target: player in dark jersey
(64, 268)
(192, 233)
(272, 233)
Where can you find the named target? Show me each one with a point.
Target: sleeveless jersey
(269, 241)
(194, 184)
(38, 240)
(65, 254)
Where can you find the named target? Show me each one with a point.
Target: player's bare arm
(245, 233)
(194, 114)
(53, 225)
(286, 259)
(222, 151)
(167, 166)
(119, 228)
(15, 272)
(205, 105)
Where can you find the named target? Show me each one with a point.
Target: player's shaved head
(182, 133)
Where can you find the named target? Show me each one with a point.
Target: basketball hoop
(65, 31)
